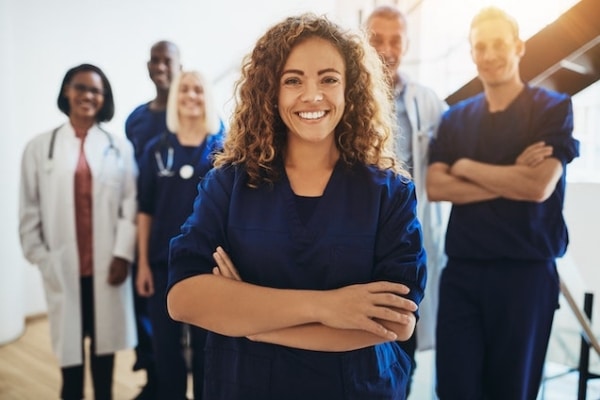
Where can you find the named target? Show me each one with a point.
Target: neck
(81, 124)
(309, 166)
(160, 101)
(191, 132)
(311, 156)
(499, 97)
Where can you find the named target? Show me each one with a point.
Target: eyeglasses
(82, 89)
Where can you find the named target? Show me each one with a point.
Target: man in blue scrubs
(500, 157)
(145, 122)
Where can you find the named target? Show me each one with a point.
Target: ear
(405, 45)
(520, 48)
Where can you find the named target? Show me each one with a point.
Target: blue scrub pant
(493, 327)
(167, 339)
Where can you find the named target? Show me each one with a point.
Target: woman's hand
(225, 267)
(118, 271)
(362, 306)
(144, 281)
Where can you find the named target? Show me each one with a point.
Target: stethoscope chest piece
(186, 171)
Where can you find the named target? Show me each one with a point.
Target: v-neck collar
(290, 200)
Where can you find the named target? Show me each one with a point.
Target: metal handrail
(586, 325)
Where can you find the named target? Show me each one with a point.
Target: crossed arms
(344, 319)
(532, 177)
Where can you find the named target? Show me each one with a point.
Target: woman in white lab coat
(77, 213)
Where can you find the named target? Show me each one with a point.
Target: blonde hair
(212, 122)
(494, 13)
(257, 135)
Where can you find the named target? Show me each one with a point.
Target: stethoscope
(111, 147)
(166, 170)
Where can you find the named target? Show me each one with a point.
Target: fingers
(144, 282)
(380, 330)
(367, 307)
(225, 265)
(387, 299)
(145, 288)
(534, 154)
(387, 287)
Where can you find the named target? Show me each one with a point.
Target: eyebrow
(320, 72)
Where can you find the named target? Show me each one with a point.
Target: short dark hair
(108, 108)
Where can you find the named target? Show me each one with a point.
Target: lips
(87, 105)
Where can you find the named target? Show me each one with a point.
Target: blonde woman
(171, 167)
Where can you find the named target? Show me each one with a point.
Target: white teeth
(312, 114)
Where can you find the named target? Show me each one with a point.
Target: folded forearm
(318, 337)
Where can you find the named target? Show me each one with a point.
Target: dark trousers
(493, 327)
(101, 366)
(169, 349)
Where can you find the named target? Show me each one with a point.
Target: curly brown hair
(257, 135)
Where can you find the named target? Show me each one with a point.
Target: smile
(312, 114)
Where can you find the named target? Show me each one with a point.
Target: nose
(384, 49)
(312, 93)
(162, 66)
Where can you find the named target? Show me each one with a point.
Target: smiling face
(388, 36)
(496, 52)
(85, 94)
(190, 97)
(311, 91)
(163, 64)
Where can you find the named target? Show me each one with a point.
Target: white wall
(40, 40)
(11, 302)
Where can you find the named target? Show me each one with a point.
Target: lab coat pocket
(423, 139)
(50, 274)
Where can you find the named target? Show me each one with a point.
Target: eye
(375, 41)
(479, 48)
(331, 80)
(292, 81)
(499, 46)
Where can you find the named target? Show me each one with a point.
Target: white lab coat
(424, 109)
(48, 235)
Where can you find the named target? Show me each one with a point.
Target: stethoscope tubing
(111, 143)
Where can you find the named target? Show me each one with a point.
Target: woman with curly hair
(303, 254)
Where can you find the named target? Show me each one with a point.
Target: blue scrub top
(169, 199)
(363, 229)
(142, 125)
(503, 228)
